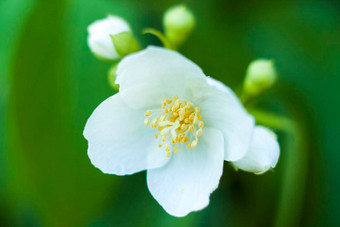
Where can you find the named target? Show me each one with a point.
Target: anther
(168, 101)
(163, 104)
(175, 149)
(147, 113)
(146, 121)
(191, 127)
(184, 127)
(197, 110)
(174, 97)
(159, 145)
(188, 145)
(194, 143)
(164, 138)
(156, 136)
(201, 124)
(154, 123)
(199, 132)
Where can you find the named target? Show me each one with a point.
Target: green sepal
(112, 75)
(125, 43)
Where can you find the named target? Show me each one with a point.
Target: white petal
(99, 39)
(163, 68)
(218, 85)
(144, 95)
(263, 153)
(185, 183)
(102, 46)
(119, 142)
(222, 109)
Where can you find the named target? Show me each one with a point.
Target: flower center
(178, 121)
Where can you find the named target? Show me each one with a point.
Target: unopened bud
(99, 36)
(178, 22)
(261, 75)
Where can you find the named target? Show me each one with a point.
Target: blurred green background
(50, 83)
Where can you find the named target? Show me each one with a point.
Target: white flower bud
(99, 36)
(261, 75)
(178, 22)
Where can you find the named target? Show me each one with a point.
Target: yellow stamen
(146, 121)
(154, 123)
(194, 143)
(177, 121)
(199, 132)
(147, 113)
(163, 104)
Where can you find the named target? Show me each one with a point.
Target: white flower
(99, 39)
(193, 122)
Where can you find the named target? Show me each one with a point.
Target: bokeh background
(50, 83)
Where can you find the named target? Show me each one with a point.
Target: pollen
(148, 113)
(146, 121)
(175, 149)
(177, 121)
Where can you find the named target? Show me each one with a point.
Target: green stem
(274, 121)
(294, 162)
(160, 36)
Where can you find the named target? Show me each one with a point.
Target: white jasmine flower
(170, 119)
(99, 39)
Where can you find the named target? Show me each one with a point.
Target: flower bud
(261, 75)
(99, 36)
(178, 22)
